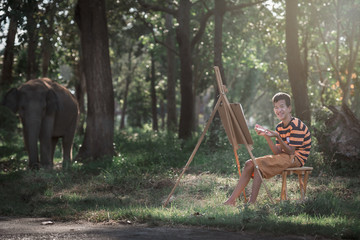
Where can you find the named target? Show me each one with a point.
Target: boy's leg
(243, 181)
(255, 187)
(270, 166)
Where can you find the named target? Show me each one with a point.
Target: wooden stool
(303, 175)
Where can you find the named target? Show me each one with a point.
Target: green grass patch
(134, 186)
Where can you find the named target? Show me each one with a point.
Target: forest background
(150, 63)
(147, 66)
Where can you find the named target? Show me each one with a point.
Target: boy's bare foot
(229, 203)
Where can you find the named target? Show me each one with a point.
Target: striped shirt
(296, 134)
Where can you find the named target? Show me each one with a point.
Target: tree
(296, 70)
(31, 9)
(99, 133)
(128, 79)
(171, 80)
(47, 25)
(152, 77)
(186, 75)
(186, 45)
(339, 32)
(221, 7)
(220, 10)
(8, 61)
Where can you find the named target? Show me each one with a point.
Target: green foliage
(153, 150)
(139, 110)
(320, 130)
(12, 151)
(8, 124)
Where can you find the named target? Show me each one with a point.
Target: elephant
(48, 111)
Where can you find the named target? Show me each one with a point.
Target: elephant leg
(46, 154)
(46, 143)
(67, 142)
(54, 141)
(31, 145)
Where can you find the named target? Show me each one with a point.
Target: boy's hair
(282, 96)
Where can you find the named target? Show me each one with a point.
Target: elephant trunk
(31, 129)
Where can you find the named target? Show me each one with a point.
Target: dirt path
(42, 228)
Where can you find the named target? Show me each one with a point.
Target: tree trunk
(32, 32)
(171, 83)
(80, 91)
(153, 95)
(296, 71)
(124, 108)
(186, 78)
(220, 6)
(162, 113)
(48, 31)
(126, 93)
(99, 134)
(45, 57)
(6, 73)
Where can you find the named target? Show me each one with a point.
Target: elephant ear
(11, 99)
(52, 102)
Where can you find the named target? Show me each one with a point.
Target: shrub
(12, 151)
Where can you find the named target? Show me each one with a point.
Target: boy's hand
(270, 133)
(260, 130)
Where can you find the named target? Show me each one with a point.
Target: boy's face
(282, 111)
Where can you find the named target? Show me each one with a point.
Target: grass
(144, 171)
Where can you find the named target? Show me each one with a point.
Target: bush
(12, 151)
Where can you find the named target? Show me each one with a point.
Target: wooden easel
(233, 120)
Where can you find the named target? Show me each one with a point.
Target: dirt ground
(42, 228)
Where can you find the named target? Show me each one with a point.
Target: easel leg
(195, 149)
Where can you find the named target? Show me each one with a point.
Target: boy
(292, 148)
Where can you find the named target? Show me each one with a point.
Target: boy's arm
(287, 149)
(276, 149)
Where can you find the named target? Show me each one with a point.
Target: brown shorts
(272, 165)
